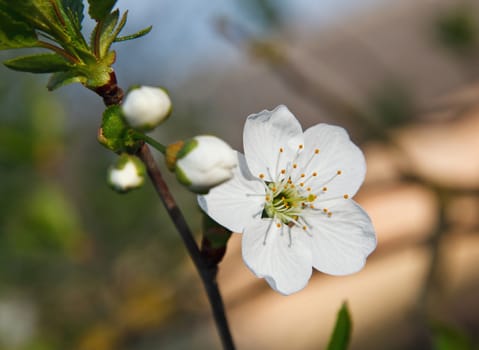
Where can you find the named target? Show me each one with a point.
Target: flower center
(284, 202)
(292, 191)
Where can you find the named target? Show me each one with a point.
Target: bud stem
(152, 142)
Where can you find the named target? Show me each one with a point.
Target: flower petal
(336, 153)
(341, 243)
(286, 267)
(265, 134)
(234, 203)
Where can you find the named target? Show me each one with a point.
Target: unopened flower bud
(145, 107)
(127, 173)
(202, 162)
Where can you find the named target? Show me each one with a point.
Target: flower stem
(151, 141)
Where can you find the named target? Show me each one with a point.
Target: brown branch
(207, 273)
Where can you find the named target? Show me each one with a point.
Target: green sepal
(188, 146)
(182, 178)
(136, 35)
(342, 330)
(115, 133)
(113, 129)
(14, 31)
(60, 79)
(99, 9)
(41, 63)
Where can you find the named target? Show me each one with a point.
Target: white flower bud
(203, 162)
(126, 174)
(146, 107)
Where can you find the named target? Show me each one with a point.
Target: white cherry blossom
(291, 198)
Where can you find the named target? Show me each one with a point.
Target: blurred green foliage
(457, 29)
(450, 338)
(99, 270)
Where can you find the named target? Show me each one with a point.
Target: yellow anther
(316, 151)
(283, 171)
(303, 175)
(268, 198)
(330, 214)
(315, 174)
(295, 166)
(325, 189)
(304, 228)
(346, 196)
(308, 189)
(281, 150)
(278, 225)
(261, 176)
(311, 206)
(300, 146)
(301, 184)
(339, 172)
(325, 210)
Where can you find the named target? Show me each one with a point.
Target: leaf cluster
(56, 25)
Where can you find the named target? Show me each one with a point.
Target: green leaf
(99, 9)
(138, 34)
(74, 9)
(60, 79)
(106, 36)
(15, 33)
(38, 15)
(41, 63)
(71, 12)
(342, 331)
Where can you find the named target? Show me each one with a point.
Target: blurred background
(85, 268)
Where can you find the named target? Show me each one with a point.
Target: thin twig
(207, 274)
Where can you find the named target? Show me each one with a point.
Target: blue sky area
(183, 36)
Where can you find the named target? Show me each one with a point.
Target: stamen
(261, 176)
(346, 196)
(267, 232)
